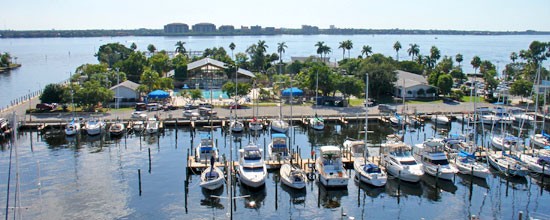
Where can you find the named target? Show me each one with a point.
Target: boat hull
(214, 183)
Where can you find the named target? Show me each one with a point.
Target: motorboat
(497, 116)
(292, 176)
(278, 148)
(536, 163)
(236, 126)
(255, 124)
(330, 167)
(507, 165)
(355, 147)
(317, 122)
(138, 126)
(456, 142)
(467, 164)
(399, 162)
(505, 142)
(434, 160)
(206, 150)
(152, 126)
(72, 128)
(540, 140)
(212, 177)
(369, 172)
(279, 126)
(116, 129)
(520, 115)
(252, 169)
(395, 119)
(440, 119)
(94, 126)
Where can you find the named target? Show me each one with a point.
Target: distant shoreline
(159, 32)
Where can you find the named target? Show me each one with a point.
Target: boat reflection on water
(212, 198)
(515, 182)
(253, 197)
(467, 180)
(297, 196)
(397, 188)
(433, 187)
(330, 198)
(542, 181)
(370, 190)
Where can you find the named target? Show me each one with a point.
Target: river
(51, 60)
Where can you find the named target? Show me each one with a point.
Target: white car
(139, 115)
(190, 114)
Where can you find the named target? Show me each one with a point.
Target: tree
(457, 94)
(281, 50)
(320, 48)
(397, 47)
(53, 93)
(92, 94)
(242, 89)
(326, 50)
(5, 59)
(367, 50)
(165, 83)
(90, 69)
(160, 62)
(446, 65)
(343, 47)
(513, 57)
(476, 62)
(413, 50)
(435, 54)
(151, 48)
(149, 81)
(382, 76)
(133, 46)
(349, 46)
(195, 94)
(521, 87)
(112, 53)
(459, 58)
(134, 65)
(445, 83)
(350, 86)
(232, 48)
(180, 48)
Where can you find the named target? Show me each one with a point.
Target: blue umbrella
(294, 90)
(158, 94)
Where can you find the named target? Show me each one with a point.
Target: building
(209, 73)
(256, 29)
(308, 29)
(176, 28)
(204, 28)
(412, 86)
(126, 93)
(226, 28)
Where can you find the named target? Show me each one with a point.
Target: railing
(25, 98)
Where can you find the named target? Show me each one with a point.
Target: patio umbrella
(294, 91)
(158, 94)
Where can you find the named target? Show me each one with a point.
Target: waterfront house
(414, 86)
(206, 73)
(126, 93)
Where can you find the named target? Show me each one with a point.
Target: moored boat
(252, 169)
(399, 162)
(330, 167)
(292, 176)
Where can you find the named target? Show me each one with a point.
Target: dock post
(399, 187)
(139, 180)
(176, 131)
(264, 147)
(276, 194)
(149, 149)
(520, 216)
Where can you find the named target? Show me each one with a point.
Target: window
(409, 162)
(440, 162)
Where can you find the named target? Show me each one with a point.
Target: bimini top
(278, 135)
(371, 168)
(330, 150)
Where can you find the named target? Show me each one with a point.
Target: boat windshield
(253, 169)
(252, 155)
(401, 153)
(440, 162)
(408, 162)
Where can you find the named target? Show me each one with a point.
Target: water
(50, 60)
(216, 93)
(96, 178)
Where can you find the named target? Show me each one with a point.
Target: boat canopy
(371, 168)
(278, 135)
(330, 150)
(466, 154)
(543, 160)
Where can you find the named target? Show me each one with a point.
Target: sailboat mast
(537, 82)
(316, 90)
(366, 113)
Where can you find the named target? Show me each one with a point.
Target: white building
(126, 91)
(412, 86)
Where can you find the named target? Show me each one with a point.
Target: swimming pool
(215, 94)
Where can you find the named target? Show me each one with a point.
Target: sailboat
(212, 177)
(235, 125)
(255, 124)
(279, 125)
(365, 170)
(293, 176)
(317, 121)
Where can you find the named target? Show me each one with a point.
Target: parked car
(169, 107)
(371, 103)
(140, 106)
(45, 107)
(190, 106)
(153, 106)
(387, 108)
(139, 115)
(235, 106)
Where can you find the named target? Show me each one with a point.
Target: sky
(490, 15)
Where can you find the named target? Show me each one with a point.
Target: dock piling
(139, 180)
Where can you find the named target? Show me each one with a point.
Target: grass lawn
(471, 99)
(356, 102)
(437, 101)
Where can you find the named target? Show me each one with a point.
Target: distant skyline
(489, 15)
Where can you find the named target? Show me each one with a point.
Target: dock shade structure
(294, 91)
(158, 94)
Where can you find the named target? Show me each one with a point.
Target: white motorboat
(94, 126)
(292, 176)
(440, 119)
(279, 125)
(236, 126)
(278, 148)
(212, 177)
(72, 128)
(455, 143)
(330, 167)
(152, 126)
(540, 140)
(435, 162)
(369, 173)
(116, 129)
(395, 120)
(505, 143)
(252, 169)
(138, 126)
(255, 124)
(400, 162)
(467, 164)
(205, 150)
(355, 147)
(538, 164)
(506, 164)
(317, 123)
(520, 115)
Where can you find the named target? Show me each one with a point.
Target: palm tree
(180, 48)
(459, 59)
(281, 50)
(435, 54)
(476, 62)
(262, 47)
(513, 57)
(414, 50)
(232, 48)
(397, 47)
(326, 50)
(343, 47)
(349, 46)
(320, 45)
(367, 50)
(151, 48)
